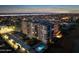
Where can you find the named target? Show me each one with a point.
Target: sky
(41, 6)
(38, 8)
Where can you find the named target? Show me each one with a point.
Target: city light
(59, 36)
(65, 18)
(50, 41)
(23, 49)
(7, 29)
(5, 37)
(10, 41)
(40, 48)
(12, 44)
(26, 36)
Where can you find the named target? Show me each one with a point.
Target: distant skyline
(39, 8)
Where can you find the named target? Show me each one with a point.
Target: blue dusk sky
(37, 8)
